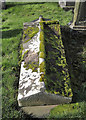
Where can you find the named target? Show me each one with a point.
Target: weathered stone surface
(33, 44)
(43, 98)
(29, 83)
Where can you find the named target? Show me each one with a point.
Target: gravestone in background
(79, 19)
(2, 4)
(67, 4)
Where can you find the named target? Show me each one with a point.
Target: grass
(69, 111)
(12, 25)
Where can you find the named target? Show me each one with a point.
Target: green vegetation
(69, 111)
(12, 25)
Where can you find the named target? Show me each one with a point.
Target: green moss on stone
(42, 67)
(42, 78)
(42, 47)
(32, 65)
(42, 52)
(41, 36)
(50, 22)
(42, 55)
(24, 54)
(29, 33)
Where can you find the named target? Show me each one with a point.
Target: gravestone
(67, 4)
(79, 19)
(2, 4)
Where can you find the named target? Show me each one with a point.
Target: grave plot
(44, 77)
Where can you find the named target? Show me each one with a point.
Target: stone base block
(43, 98)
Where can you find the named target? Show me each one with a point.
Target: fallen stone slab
(32, 88)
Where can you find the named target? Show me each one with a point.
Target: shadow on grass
(11, 33)
(75, 49)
